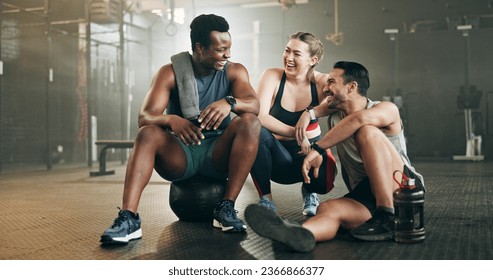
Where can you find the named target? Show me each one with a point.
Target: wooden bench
(109, 144)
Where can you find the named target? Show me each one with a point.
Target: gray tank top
(351, 160)
(211, 88)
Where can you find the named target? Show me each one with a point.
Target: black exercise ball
(194, 199)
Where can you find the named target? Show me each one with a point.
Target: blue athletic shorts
(199, 158)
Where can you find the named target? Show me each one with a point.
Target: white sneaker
(310, 204)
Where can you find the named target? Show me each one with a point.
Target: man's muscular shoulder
(166, 76)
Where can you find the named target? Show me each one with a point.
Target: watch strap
(231, 101)
(319, 149)
(310, 111)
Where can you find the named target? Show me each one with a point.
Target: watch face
(231, 100)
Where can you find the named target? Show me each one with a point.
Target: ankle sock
(387, 210)
(132, 214)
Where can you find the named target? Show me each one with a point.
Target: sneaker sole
(218, 224)
(309, 213)
(105, 239)
(380, 237)
(267, 224)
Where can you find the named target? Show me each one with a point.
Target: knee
(265, 136)
(324, 208)
(328, 209)
(366, 133)
(248, 123)
(150, 133)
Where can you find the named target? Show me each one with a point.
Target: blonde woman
(285, 94)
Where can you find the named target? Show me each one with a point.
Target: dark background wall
(425, 65)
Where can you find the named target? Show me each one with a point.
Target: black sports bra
(285, 116)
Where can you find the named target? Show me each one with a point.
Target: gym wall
(37, 117)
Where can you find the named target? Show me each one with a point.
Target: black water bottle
(409, 212)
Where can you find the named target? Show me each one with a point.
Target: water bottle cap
(411, 182)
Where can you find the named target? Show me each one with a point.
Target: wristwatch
(231, 101)
(310, 111)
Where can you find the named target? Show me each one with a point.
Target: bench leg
(102, 165)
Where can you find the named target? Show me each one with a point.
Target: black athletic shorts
(362, 193)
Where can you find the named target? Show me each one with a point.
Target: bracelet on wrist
(312, 121)
(319, 149)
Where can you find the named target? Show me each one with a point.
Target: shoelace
(230, 211)
(120, 219)
(310, 200)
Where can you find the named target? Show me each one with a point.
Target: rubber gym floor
(60, 214)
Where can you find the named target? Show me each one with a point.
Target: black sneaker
(126, 227)
(268, 224)
(379, 228)
(225, 218)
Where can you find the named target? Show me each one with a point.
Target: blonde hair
(314, 45)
